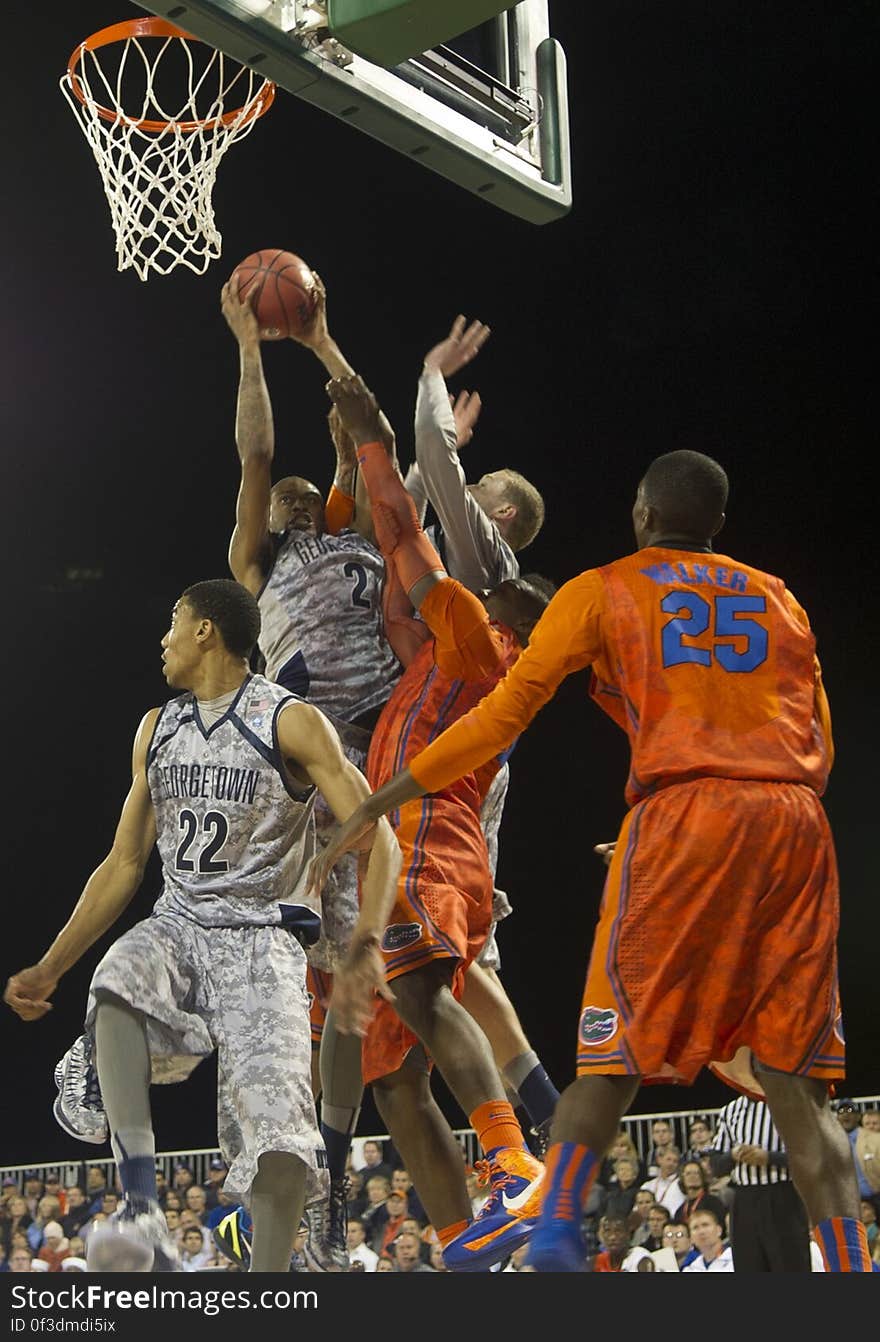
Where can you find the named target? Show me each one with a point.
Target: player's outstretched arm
(306, 736)
(356, 830)
(255, 440)
(108, 891)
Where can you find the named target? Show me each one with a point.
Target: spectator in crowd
(173, 1201)
(196, 1199)
(189, 1219)
(55, 1247)
(438, 1262)
(77, 1211)
(9, 1189)
(33, 1189)
(658, 1219)
(662, 1136)
(110, 1203)
(677, 1237)
(707, 1234)
(53, 1188)
(869, 1221)
(217, 1171)
(183, 1179)
(865, 1142)
(385, 1265)
(402, 1183)
(194, 1256)
(96, 1187)
(699, 1139)
(769, 1231)
(355, 1193)
(622, 1148)
(377, 1188)
(850, 1119)
(77, 1247)
(695, 1187)
(74, 1263)
(358, 1249)
(17, 1217)
(172, 1220)
(620, 1198)
(665, 1185)
(407, 1252)
(618, 1255)
(161, 1186)
(20, 1260)
(388, 1222)
(374, 1161)
(638, 1221)
(48, 1209)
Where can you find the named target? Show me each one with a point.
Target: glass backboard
(488, 109)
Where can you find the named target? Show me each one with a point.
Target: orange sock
(448, 1233)
(495, 1125)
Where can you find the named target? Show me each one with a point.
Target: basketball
(284, 292)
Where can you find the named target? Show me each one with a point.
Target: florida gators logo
(399, 935)
(597, 1026)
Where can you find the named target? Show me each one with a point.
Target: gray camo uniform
(323, 638)
(475, 554)
(220, 964)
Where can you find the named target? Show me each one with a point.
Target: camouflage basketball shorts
(241, 991)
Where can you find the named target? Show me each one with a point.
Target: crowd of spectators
(668, 1212)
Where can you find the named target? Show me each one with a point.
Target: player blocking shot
(224, 782)
(709, 666)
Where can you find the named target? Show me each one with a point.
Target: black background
(710, 289)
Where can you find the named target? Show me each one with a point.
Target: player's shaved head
(682, 496)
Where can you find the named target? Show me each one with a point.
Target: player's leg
(821, 1165)
(278, 1195)
(426, 1144)
(123, 1061)
(587, 1117)
(426, 1005)
(342, 1089)
(485, 999)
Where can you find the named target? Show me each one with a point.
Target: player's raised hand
(316, 334)
(358, 408)
(28, 992)
(356, 985)
(466, 407)
(461, 345)
(239, 313)
(605, 851)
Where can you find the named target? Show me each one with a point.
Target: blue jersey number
(359, 573)
(215, 824)
(728, 623)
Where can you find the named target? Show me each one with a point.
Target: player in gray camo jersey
(224, 781)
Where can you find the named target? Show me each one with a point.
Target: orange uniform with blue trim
(717, 932)
(443, 908)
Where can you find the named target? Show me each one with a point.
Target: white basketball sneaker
(136, 1239)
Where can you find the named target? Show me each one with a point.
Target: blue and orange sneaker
(507, 1218)
(557, 1246)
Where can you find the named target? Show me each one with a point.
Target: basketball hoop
(158, 166)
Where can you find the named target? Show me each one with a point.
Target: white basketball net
(158, 164)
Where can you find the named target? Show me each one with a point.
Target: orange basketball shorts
(319, 987)
(717, 936)
(443, 910)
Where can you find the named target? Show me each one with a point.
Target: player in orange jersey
(444, 902)
(725, 859)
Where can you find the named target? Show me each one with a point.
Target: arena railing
(637, 1125)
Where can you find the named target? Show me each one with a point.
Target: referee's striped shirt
(748, 1122)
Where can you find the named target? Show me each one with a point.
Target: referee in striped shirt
(769, 1230)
